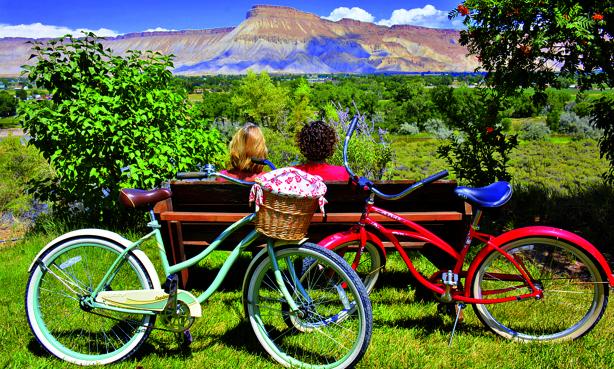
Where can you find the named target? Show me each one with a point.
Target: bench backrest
(210, 196)
(194, 201)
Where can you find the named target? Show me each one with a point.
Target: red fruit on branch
(597, 17)
(463, 10)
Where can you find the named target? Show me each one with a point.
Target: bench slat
(429, 216)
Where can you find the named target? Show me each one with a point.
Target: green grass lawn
(407, 334)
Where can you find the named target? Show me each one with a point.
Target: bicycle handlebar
(209, 171)
(369, 184)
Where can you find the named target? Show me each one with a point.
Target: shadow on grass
(200, 277)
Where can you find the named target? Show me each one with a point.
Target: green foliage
(19, 164)
(479, 151)
(369, 151)
(578, 127)
(283, 150)
(523, 43)
(531, 131)
(8, 104)
(109, 114)
(558, 167)
(21, 94)
(602, 117)
(301, 111)
(215, 106)
(259, 100)
(537, 44)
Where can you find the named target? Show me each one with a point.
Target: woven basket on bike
(285, 200)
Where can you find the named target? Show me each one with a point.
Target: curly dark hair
(317, 141)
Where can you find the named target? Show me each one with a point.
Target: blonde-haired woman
(247, 143)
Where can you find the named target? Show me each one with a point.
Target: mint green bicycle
(93, 297)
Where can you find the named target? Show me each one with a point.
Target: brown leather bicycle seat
(135, 198)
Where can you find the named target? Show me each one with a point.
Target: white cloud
(353, 13)
(159, 29)
(39, 30)
(428, 16)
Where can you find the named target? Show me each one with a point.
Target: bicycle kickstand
(459, 312)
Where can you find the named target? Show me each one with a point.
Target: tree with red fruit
(531, 43)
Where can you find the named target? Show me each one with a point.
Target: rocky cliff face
(285, 40)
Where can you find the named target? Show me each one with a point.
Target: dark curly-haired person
(317, 141)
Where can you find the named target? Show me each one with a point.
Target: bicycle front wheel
(69, 329)
(332, 327)
(575, 292)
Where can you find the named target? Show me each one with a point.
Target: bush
(8, 104)
(479, 151)
(19, 164)
(113, 122)
(534, 131)
(602, 117)
(369, 152)
(409, 129)
(579, 127)
(437, 128)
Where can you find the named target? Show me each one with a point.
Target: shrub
(19, 164)
(478, 152)
(579, 127)
(437, 128)
(113, 122)
(534, 131)
(409, 129)
(369, 152)
(602, 117)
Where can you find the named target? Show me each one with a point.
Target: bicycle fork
(299, 291)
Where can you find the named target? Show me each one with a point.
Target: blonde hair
(247, 143)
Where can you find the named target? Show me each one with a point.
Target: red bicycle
(533, 283)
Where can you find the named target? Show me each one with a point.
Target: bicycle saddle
(491, 196)
(135, 198)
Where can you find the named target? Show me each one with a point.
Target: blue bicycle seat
(491, 196)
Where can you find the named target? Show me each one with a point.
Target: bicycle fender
(543, 231)
(346, 236)
(108, 236)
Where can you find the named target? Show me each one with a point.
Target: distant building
(198, 90)
(2, 86)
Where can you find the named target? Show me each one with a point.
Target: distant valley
(285, 40)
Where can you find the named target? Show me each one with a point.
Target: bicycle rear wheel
(369, 264)
(69, 329)
(575, 292)
(333, 325)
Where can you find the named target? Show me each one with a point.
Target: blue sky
(23, 18)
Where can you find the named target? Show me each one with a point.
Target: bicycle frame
(416, 232)
(172, 269)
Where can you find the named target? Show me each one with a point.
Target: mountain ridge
(280, 39)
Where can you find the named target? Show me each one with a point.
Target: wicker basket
(283, 217)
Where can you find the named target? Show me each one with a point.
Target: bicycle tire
(575, 292)
(370, 264)
(63, 275)
(335, 327)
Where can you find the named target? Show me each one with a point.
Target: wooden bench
(200, 210)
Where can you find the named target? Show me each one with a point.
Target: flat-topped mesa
(279, 11)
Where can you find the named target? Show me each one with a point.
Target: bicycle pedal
(449, 278)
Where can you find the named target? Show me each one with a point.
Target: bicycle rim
(368, 266)
(333, 325)
(574, 291)
(81, 335)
